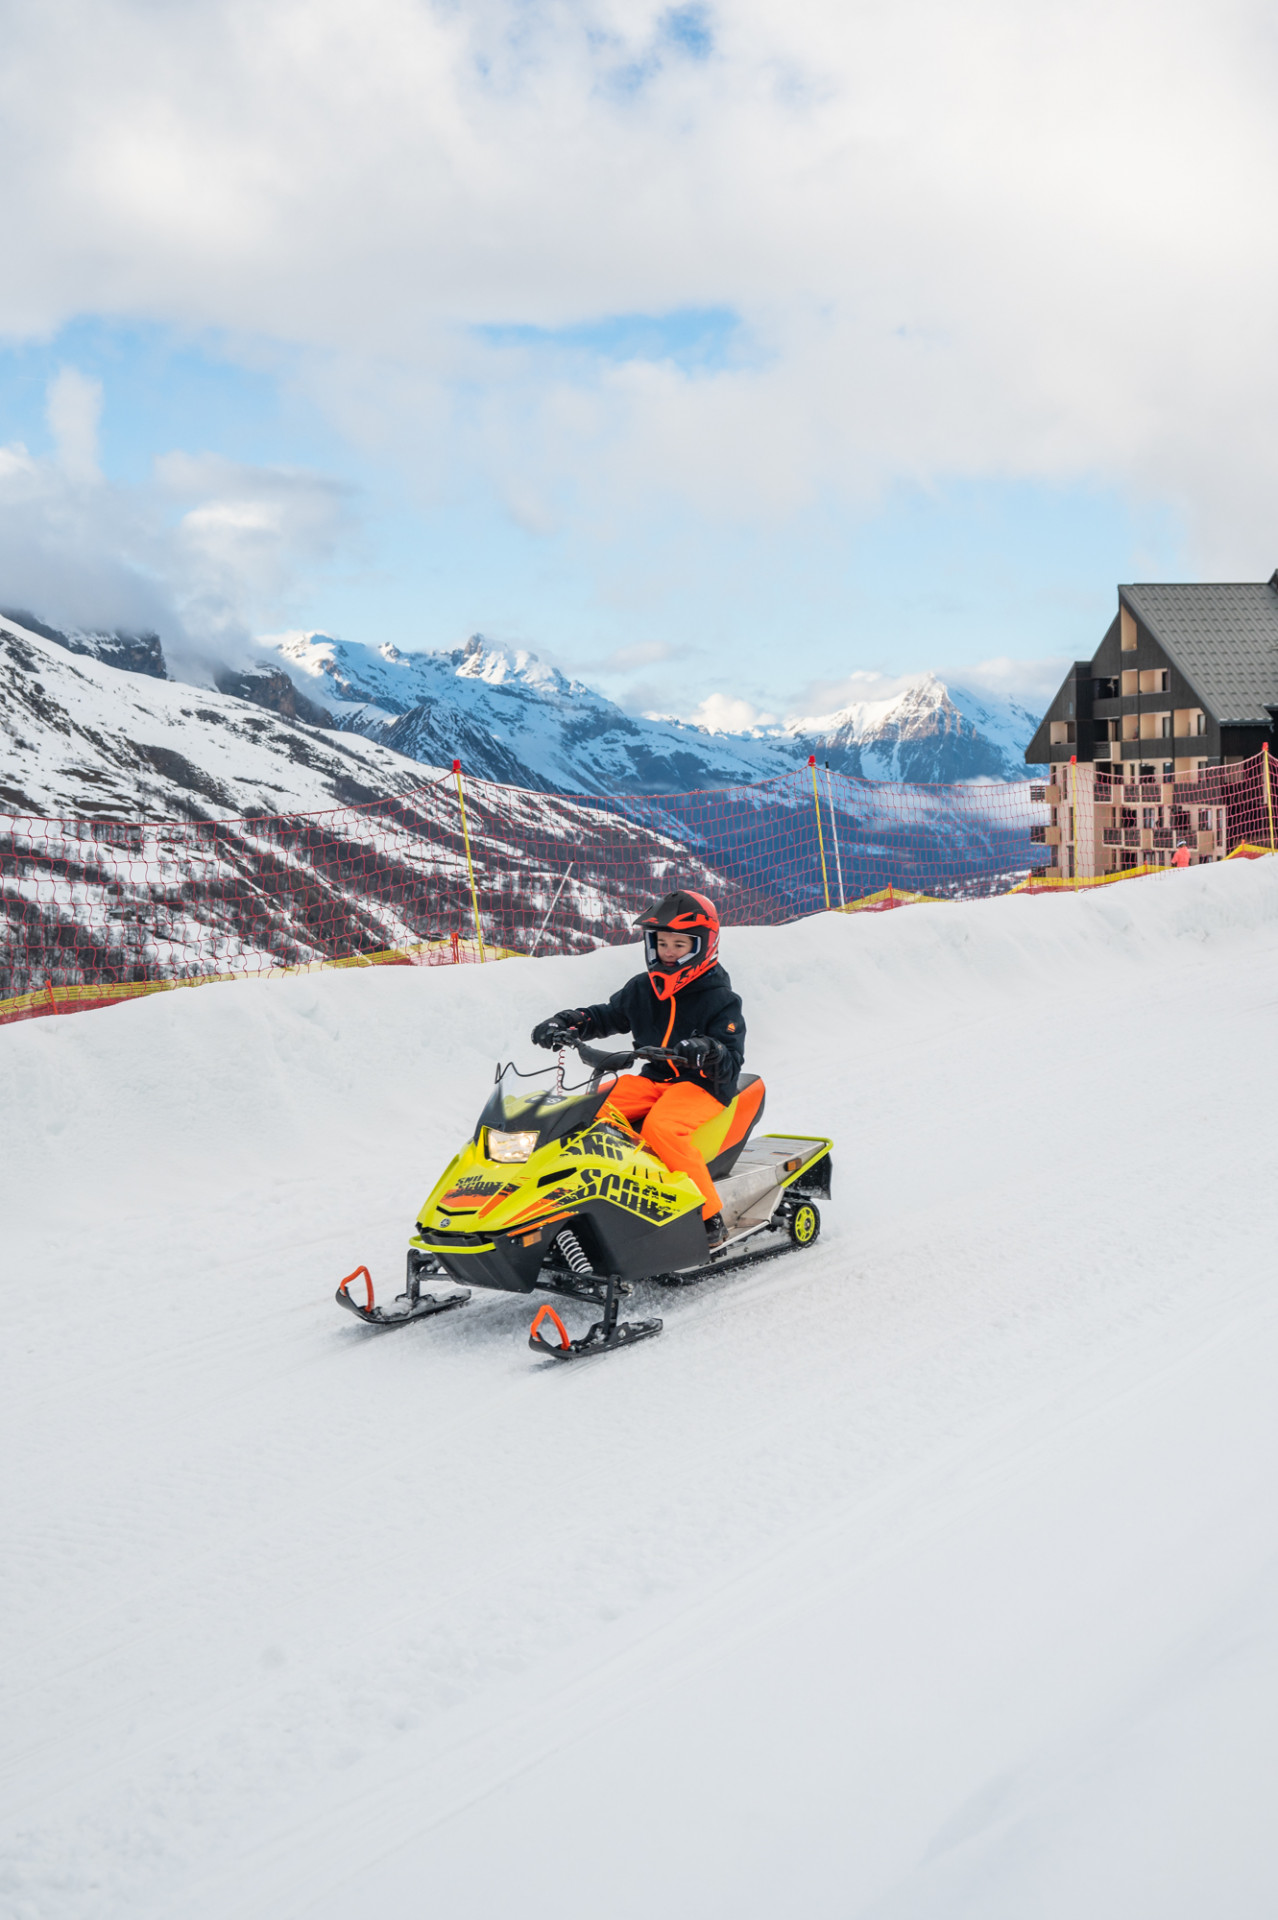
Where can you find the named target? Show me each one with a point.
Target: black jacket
(707, 1005)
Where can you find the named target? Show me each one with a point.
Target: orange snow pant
(674, 1109)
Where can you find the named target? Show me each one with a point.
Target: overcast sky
(715, 352)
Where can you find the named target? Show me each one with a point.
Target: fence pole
(474, 897)
(550, 909)
(1269, 793)
(834, 835)
(816, 801)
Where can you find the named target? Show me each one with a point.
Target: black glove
(704, 1054)
(560, 1028)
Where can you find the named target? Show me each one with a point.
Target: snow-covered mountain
(183, 831)
(509, 717)
(82, 737)
(929, 732)
(136, 652)
(165, 831)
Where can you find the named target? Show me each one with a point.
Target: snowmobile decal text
(636, 1196)
(602, 1143)
(475, 1187)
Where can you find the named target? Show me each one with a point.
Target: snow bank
(930, 1574)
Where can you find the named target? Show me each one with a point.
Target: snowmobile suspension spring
(570, 1246)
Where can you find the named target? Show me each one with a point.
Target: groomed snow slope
(931, 1573)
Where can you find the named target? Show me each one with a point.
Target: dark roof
(1224, 639)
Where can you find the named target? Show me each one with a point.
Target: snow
(83, 738)
(928, 1574)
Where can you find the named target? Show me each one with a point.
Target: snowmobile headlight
(510, 1146)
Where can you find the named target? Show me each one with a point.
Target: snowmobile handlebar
(615, 1062)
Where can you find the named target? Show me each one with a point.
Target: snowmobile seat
(721, 1139)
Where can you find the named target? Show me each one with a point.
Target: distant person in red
(683, 1000)
(1181, 856)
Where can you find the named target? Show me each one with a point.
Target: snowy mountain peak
(545, 730)
(348, 676)
(920, 697)
(498, 665)
(922, 730)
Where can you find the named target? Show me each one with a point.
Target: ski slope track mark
(927, 1574)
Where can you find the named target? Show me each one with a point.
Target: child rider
(684, 1000)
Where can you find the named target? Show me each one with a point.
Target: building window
(1127, 630)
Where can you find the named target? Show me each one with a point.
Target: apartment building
(1141, 739)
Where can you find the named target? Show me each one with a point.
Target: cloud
(203, 552)
(982, 241)
(647, 653)
(1031, 683)
(724, 713)
(245, 536)
(863, 687)
(73, 408)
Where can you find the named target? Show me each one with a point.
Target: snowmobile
(555, 1192)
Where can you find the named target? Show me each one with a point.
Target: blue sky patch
(698, 339)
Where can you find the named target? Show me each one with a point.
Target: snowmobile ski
(603, 1337)
(412, 1304)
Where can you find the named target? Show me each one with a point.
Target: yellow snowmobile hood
(485, 1196)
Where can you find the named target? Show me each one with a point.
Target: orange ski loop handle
(548, 1313)
(368, 1282)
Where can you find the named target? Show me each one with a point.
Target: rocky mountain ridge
(81, 738)
(511, 717)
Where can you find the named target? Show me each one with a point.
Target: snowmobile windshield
(549, 1115)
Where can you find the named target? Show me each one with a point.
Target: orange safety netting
(95, 911)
